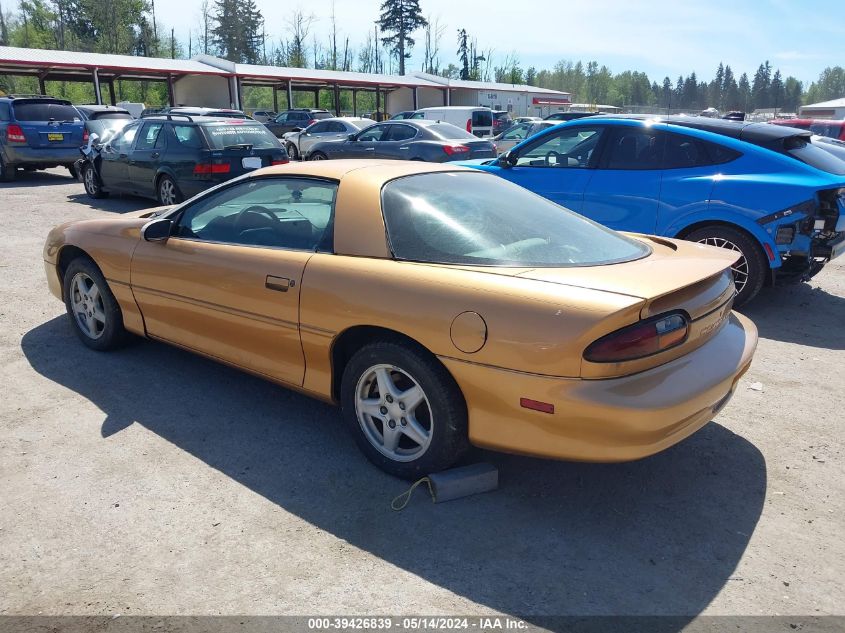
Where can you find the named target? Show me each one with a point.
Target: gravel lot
(151, 481)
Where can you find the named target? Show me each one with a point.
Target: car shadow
(29, 179)
(113, 204)
(799, 313)
(660, 536)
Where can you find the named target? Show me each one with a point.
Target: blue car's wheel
(749, 270)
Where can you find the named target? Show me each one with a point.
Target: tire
(318, 156)
(293, 153)
(7, 173)
(91, 307)
(427, 437)
(167, 192)
(72, 170)
(92, 184)
(750, 271)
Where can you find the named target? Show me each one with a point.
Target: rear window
(228, 135)
(37, 111)
(321, 115)
(449, 131)
(111, 115)
(483, 220)
(799, 148)
(831, 130)
(482, 118)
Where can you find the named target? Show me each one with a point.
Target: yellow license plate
(55, 137)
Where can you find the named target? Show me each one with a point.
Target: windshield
(105, 129)
(226, 135)
(449, 131)
(481, 220)
(36, 111)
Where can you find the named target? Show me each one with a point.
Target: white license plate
(251, 162)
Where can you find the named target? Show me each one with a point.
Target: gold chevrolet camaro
(438, 306)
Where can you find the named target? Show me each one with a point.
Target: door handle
(278, 283)
(122, 156)
(370, 149)
(406, 147)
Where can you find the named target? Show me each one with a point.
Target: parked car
(822, 127)
(501, 121)
(174, 157)
(430, 141)
(38, 133)
(264, 115)
(149, 111)
(415, 297)
(569, 116)
(514, 135)
(98, 112)
(526, 119)
(225, 113)
(764, 191)
(295, 120)
(299, 144)
(476, 120)
(401, 116)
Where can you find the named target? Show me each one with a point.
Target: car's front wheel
(318, 156)
(749, 270)
(91, 306)
(405, 411)
(92, 183)
(168, 192)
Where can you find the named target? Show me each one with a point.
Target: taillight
(14, 134)
(643, 339)
(205, 169)
(469, 126)
(279, 161)
(85, 136)
(451, 150)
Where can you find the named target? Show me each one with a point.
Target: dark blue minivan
(38, 133)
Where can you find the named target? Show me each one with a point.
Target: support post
(41, 87)
(111, 92)
(336, 100)
(290, 95)
(240, 91)
(98, 97)
(354, 102)
(171, 98)
(378, 103)
(275, 99)
(231, 94)
(445, 96)
(317, 98)
(416, 99)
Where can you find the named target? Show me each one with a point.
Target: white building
(834, 109)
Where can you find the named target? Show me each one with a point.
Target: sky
(656, 36)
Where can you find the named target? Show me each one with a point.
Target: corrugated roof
(489, 85)
(70, 60)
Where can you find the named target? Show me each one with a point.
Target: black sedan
(419, 139)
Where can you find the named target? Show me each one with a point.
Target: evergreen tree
(777, 93)
(463, 53)
(666, 94)
(238, 30)
(730, 91)
(793, 92)
(401, 18)
(760, 86)
(744, 94)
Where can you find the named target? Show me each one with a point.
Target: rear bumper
(610, 420)
(45, 156)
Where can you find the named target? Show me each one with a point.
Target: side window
(282, 118)
(318, 128)
(148, 137)
(188, 136)
(633, 148)
(517, 132)
(5, 114)
(374, 133)
(293, 213)
(401, 133)
(417, 115)
(122, 141)
(569, 147)
(336, 127)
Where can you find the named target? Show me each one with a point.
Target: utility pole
(172, 43)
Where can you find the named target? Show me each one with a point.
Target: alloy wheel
(394, 412)
(740, 268)
(167, 192)
(88, 307)
(90, 181)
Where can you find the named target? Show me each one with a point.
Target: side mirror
(157, 230)
(507, 160)
(351, 137)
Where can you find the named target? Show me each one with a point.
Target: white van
(475, 120)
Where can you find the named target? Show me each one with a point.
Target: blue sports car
(765, 191)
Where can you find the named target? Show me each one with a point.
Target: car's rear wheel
(91, 306)
(8, 173)
(292, 151)
(318, 156)
(405, 411)
(168, 192)
(92, 184)
(749, 270)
